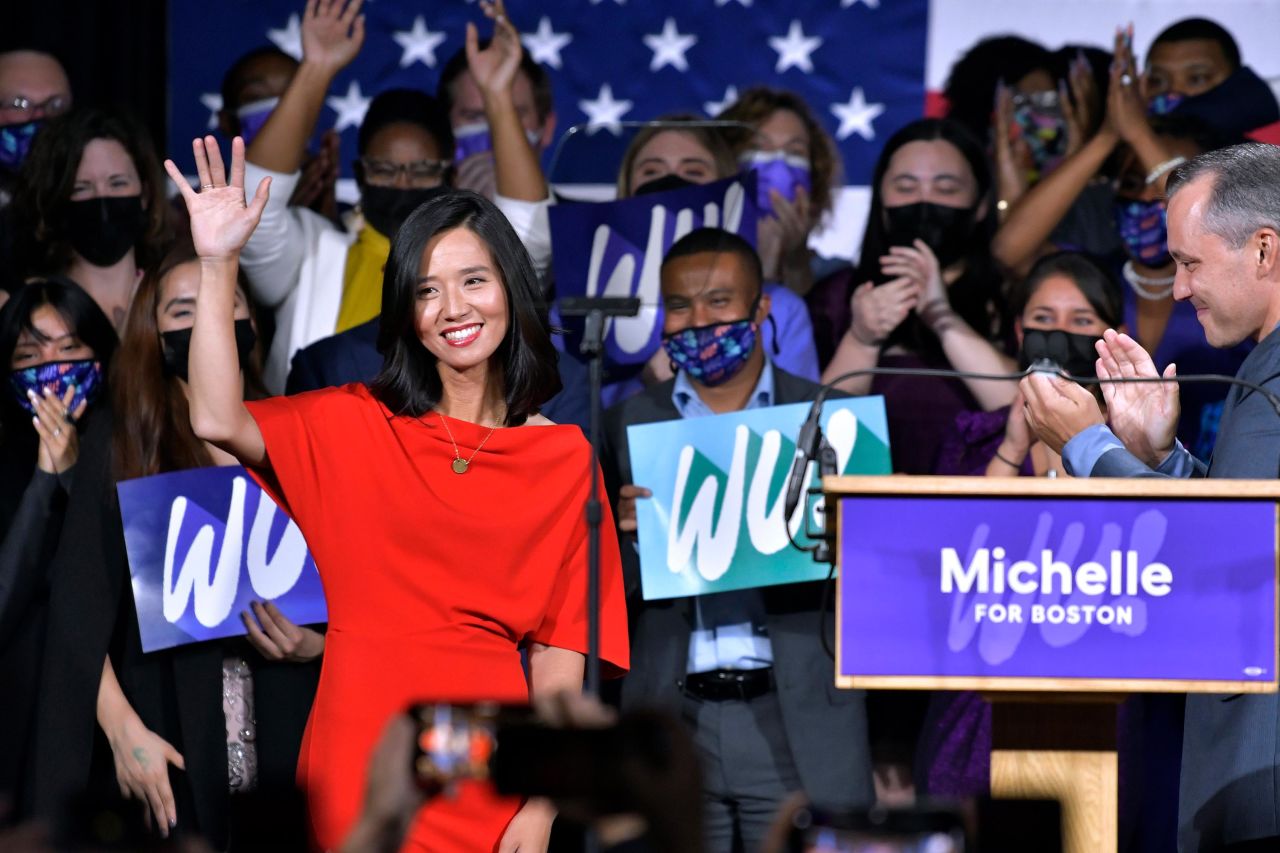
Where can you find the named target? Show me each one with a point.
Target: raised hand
(1078, 96)
(332, 33)
(221, 222)
(1011, 155)
(1126, 108)
(494, 68)
(55, 423)
(877, 311)
(1142, 415)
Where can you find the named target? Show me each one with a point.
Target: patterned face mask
(84, 375)
(1144, 231)
(253, 116)
(713, 354)
(1165, 103)
(1044, 130)
(776, 170)
(15, 142)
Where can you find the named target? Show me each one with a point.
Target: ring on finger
(1126, 79)
(57, 432)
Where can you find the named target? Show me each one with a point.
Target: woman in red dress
(444, 513)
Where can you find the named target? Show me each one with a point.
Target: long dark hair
(409, 382)
(1095, 282)
(153, 422)
(975, 295)
(82, 316)
(49, 174)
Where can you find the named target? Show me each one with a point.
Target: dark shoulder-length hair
(409, 383)
(976, 295)
(153, 422)
(49, 174)
(83, 318)
(1098, 286)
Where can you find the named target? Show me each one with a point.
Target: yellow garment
(362, 278)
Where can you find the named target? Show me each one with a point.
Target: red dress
(433, 581)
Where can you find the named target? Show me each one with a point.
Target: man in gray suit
(1224, 233)
(745, 669)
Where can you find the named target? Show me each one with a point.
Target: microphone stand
(595, 310)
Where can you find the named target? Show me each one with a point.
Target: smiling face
(176, 309)
(1232, 302)
(672, 152)
(55, 341)
(460, 304)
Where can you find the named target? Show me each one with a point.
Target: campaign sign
(973, 588)
(202, 545)
(616, 248)
(715, 521)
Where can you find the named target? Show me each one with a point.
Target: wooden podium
(1053, 735)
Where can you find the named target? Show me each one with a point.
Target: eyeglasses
(24, 105)
(418, 172)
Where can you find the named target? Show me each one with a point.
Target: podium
(1056, 599)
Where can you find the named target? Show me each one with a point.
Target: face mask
(945, 229)
(1143, 229)
(1165, 103)
(712, 355)
(176, 347)
(1072, 352)
(15, 142)
(776, 170)
(103, 229)
(85, 375)
(472, 139)
(666, 183)
(1045, 132)
(1239, 104)
(386, 208)
(253, 116)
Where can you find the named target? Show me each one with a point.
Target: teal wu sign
(715, 520)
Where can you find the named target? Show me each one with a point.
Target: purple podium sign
(966, 592)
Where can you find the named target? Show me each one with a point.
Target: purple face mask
(776, 170)
(1144, 231)
(85, 375)
(253, 116)
(15, 142)
(472, 139)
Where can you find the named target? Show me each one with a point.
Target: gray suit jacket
(1230, 788)
(826, 727)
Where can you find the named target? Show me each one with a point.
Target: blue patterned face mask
(253, 116)
(85, 375)
(1144, 232)
(776, 170)
(15, 142)
(1165, 103)
(713, 354)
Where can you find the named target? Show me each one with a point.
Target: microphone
(806, 449)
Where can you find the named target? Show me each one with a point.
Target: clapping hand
(1143, 415)
(1126, 108)
(784, 232)
(1078, 96)
(221, 222)
(1057, 409)
(1012, 156)
(877, 311)
(55, 423)
(332, 33)
(918, 264)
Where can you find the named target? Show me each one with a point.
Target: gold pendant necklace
(460, 465)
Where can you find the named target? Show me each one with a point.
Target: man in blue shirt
(1224, 233)
(745, 669)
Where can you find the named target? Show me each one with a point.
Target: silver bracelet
(1167, 166)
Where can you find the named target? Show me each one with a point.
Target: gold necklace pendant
(459, 465)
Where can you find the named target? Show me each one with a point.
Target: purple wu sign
(972, 592)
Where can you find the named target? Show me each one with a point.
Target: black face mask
(103, 229)
(664, 184)
(177, 347)
(945, 229)
(386, 208)
(1073, 353)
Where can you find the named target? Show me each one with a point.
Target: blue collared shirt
(1085, 448)
(729, 627)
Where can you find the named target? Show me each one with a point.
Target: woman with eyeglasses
(319, 278)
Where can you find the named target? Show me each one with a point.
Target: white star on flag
(856, 116)
(871, 4)
(545, 44)
(604, 112)
(289, 39)
(669, 47)
(794, 49)
(714, 108)
(419, 44)
(213, 103)
(350, 107)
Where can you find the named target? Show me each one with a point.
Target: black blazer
(826, 727)
(352, 356)
(1230, 788)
